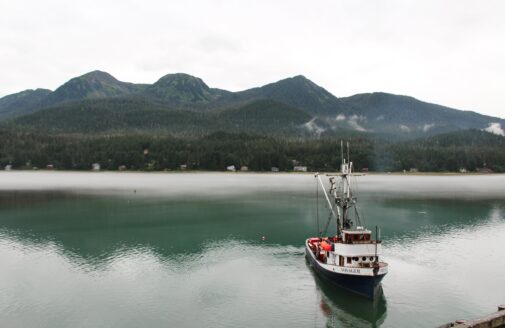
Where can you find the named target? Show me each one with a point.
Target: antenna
(348, 158)
(342, 151)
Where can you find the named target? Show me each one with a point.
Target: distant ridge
(409, 115)
(294, 106)
(22, 103)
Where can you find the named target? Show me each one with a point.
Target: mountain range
(182, 104)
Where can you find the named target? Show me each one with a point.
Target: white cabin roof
(357, 231)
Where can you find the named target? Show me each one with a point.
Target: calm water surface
(186, 250)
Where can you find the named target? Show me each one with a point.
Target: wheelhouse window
(357, 236)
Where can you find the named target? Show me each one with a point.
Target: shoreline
(256, 172)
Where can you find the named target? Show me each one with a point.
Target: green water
(226, 250)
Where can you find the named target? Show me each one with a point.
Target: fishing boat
(351, 258)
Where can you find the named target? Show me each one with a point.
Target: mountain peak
(300, 92)
(181, 88)
(94, 84)
(295, 79)
(300, 78)
(98, 75)
(181, 80)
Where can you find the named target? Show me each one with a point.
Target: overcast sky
(447, 52)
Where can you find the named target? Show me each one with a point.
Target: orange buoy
(325, 246)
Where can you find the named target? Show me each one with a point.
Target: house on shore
(300, 168)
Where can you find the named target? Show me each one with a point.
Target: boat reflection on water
(341, 306)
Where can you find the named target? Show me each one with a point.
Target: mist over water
(226, 250)
(233, 184)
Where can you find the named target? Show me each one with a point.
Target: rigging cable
(328, 222)
(317, 208)
(359, 213)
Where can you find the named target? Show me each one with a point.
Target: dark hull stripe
(368, 286)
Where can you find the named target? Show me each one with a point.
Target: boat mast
(342, 195)
(345, 200)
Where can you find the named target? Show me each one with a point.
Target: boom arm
(336, 216)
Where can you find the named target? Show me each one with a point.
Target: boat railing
(360, 242)
(370, 265)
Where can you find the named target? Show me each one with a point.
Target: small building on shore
(484, 170)
(95, 166)
(231, 168)
(300, 168)
(244, 168)
(8, 167)
(275, 169)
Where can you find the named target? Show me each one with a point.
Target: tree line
(470, 150)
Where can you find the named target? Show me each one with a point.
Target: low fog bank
(155, 183)
(486, 186)
(232, 184)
